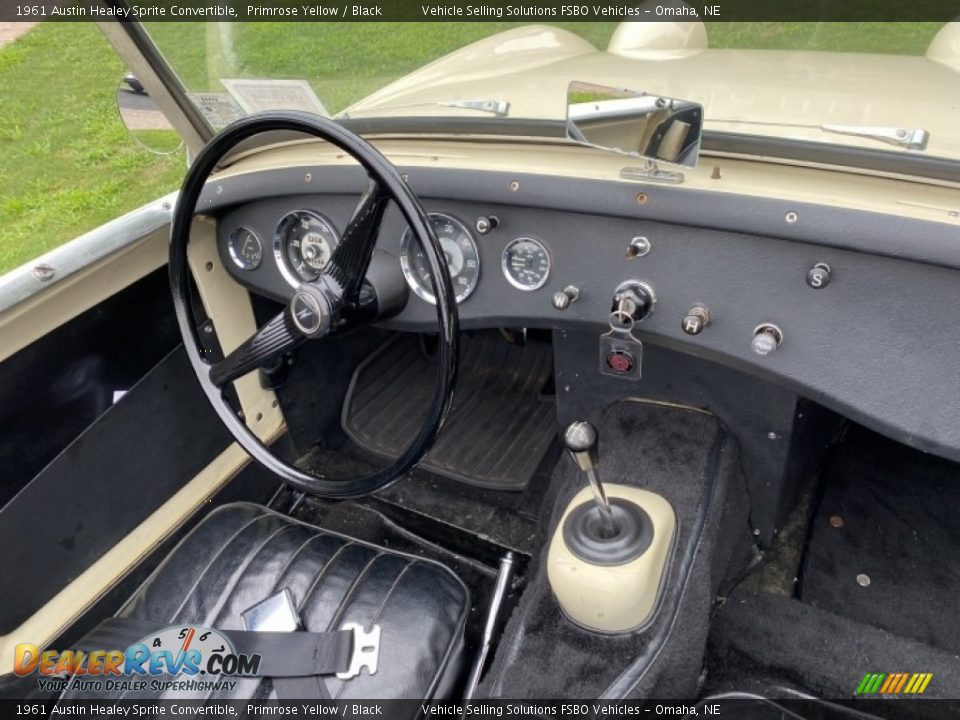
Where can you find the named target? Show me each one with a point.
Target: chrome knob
(696, 319)
(486, 223)
(580, 439)
(766, 339)
(562, 300)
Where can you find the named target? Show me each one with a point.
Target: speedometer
(459, 249)
(526, 264)
(303, 244)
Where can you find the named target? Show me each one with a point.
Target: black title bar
(521, 11)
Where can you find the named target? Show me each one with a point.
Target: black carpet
(501, 423)
(688, 458)
(898, 512)
(770, 644)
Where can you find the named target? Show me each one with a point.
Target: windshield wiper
(500, 108)
(909, 138)
(912, 138)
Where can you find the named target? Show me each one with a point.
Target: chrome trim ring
(513, 281)
(241, 262)
(406, 265)
(279, 252)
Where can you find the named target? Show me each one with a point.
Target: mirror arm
(651, 171)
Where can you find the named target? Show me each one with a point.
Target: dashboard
(835, 304)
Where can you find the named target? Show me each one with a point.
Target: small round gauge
(303, 244)
(463, 260)
(526, 264)
(245, 248)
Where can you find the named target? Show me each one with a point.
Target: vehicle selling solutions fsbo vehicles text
(580, 11)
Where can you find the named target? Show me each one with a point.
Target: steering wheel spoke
(279, 335)
(349, 263)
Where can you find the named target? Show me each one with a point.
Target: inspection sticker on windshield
(218, 108)
(256, 95)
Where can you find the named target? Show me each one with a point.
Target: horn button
(310, 311)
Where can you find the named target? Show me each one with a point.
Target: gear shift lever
(580, 439)
(608, 558)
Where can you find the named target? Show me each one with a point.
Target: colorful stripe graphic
(894, 683)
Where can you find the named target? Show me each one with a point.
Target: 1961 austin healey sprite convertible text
(567, 371)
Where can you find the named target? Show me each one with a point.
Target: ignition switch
(633, 301)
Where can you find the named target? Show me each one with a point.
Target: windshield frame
(134, 45)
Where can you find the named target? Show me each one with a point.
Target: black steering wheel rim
(380, 170)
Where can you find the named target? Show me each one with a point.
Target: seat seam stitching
(352, 589)
(293, 557)
(383, 603)
(243, 568)
(313, 585)
(206, 569)
(393, 586)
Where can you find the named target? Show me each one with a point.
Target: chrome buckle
(366, 650)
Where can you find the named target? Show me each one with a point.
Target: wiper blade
(908, 138)
(500, 108)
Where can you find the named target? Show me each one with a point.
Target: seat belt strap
(301, 688)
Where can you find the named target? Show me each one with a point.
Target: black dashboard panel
(879, 343)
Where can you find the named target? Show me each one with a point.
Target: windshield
(882, 86)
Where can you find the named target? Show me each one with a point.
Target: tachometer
(526, 264)
(463, 260)
(245, 248)
(303, 244)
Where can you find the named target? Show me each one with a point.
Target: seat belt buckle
(278, 613)
(366, 650)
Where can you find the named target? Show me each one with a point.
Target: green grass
(67, 164)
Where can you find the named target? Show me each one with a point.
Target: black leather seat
(243, 553)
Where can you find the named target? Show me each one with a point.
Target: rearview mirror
(146, 123)
(652, 127)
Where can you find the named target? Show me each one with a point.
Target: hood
(780, 93)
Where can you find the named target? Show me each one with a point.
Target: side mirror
(143, 118)
(651, 127)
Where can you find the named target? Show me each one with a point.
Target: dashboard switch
(486, 223)
(818, 277)
(638, 247)
(766, 339)
(562, 300)
(696, 319)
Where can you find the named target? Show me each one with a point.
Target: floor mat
(885, 543)
(774, 645)
(501, 423)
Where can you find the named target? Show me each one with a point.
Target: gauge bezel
(279, 251)
(506, 271)
(239, 261)
(410, 274)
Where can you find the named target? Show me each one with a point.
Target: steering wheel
(329, 305)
